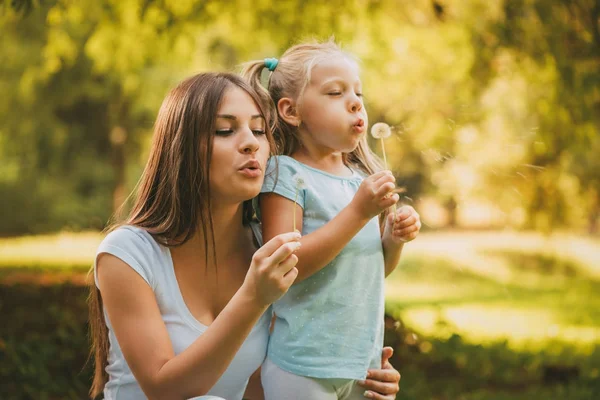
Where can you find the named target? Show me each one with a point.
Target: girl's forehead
(340, 67)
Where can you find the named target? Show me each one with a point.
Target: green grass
(526, 289)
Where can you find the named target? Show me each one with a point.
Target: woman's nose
(249, 143)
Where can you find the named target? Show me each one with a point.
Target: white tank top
(153, 262)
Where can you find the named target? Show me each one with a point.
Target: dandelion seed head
(381, 130)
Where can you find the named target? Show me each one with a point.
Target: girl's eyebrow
(338, 80)
(234, 118)
(334, 80)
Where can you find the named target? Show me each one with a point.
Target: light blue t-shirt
(329, 325)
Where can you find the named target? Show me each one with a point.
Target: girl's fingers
(411, 220)
(386, 177)
(404, 212)
(384, 190)
(413, 229)
(389, 201)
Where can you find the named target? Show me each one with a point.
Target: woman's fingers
(269, 248)
(283, 252)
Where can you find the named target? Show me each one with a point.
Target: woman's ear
(288, 111)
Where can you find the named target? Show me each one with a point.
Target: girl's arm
(320, 247)
(399, 229)
(142, 335)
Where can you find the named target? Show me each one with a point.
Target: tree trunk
(118, 136)
(450, 206)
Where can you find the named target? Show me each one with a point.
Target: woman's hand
(382, 384)
(273, 269)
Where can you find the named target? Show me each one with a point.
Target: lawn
(473, 315)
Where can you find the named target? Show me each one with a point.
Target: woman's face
(240, 149)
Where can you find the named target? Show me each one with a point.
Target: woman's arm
(142, 335)
(324, 244)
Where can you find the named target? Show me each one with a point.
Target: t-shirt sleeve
(282, 177)
(134, 248)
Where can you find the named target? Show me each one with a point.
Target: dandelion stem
(294, 210)
(386, 167)
(383, 152)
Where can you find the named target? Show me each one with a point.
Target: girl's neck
(324, 159)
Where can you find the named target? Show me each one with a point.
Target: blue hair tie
(271, 63)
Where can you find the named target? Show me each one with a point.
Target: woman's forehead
(237, 102)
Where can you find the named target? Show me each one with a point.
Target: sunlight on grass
(467, 248)
(481, 324)
(50, 251)
(489, 286)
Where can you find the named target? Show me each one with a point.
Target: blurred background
(495, 108)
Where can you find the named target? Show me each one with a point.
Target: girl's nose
(355, 104)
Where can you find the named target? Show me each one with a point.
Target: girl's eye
(258, 131)
(224, 132)
(359, 94)
(334, 93)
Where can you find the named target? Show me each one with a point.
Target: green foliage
(492, 103)
(43, 348)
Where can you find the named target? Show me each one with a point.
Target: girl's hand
(405, 225)
(375, 194)
(273, 269)
(382, 384)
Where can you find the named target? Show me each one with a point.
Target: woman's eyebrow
(234, 118)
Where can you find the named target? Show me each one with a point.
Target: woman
(186, 290)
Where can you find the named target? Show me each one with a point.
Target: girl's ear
(287, 109)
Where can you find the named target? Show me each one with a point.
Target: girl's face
(332, 110)
(240, 149)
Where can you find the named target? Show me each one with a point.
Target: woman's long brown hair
(172, 200)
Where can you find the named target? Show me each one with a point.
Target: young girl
(329, 326)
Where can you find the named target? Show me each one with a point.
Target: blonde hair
(289, 79)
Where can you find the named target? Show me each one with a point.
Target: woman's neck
(228, 230)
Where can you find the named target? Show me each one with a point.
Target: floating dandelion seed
(300, 185)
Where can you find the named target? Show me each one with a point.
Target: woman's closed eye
(224, 132)
(227, 132)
